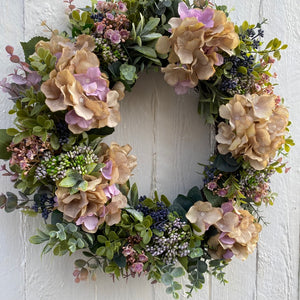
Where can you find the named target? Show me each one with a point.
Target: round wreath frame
(84, 184)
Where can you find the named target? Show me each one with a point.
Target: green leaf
(29, 47)
(167, 279)
(178, 272)
(150, 36)
(169, 290)
(215, 200)
(11, 202)
(196, 252)
(150, 26)
(5, 141)
(68, 182)
(134, 195)
(100, 251)
(138, 215)
(226, 163)
(2, 200)
(102, 132)
(120, 260)
(56, 217)
(80, 263)
(201, 266)
(36, 239)
(195, 194)
(147, 236)
(12, 131)
(54, 142)
(177, 286)
(147, 51)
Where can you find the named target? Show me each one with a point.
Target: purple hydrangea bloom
(106, 171)
(89, 221)
(204, 16)
(111, 191)
(73, 119)
(93, 84)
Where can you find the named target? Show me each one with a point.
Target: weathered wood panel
(169, 140)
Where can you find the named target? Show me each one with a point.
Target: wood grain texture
(169, 139)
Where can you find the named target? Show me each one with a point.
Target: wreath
(66, 97)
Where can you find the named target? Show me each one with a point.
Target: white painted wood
(169, 139)
(12, 261)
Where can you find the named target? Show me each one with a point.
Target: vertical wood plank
(12, 262)
(162, 128)
(278, 252)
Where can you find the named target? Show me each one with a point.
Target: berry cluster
(159, 214)
(44, 204)
(63, 132)
(173, 244)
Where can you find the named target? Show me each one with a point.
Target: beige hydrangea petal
(263, 106)
(163, 45)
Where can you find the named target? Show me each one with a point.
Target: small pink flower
(222, 192)
(122, 7)
(128, 251)
(115, 37)
(142, 258)
(137, 267)
(110, 16)
(212, 185)
(100, 28)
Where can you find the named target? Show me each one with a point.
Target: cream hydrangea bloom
(77, 85)
(256, 128)
(193, 46)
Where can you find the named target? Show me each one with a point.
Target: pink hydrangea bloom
(225, 239)
(89, 221)
(111, 191)
(182, 87)
(93, 84)
(204, 16)
(227, 207)
(106, 171)
(228, 254)
(73, 119)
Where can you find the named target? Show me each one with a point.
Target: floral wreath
(66, 99)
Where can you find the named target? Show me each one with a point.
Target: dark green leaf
(80, 263)
(120, 260)
(5, 141)
(56, 217)
(215, 200)
(226, 163)
(11, 202)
